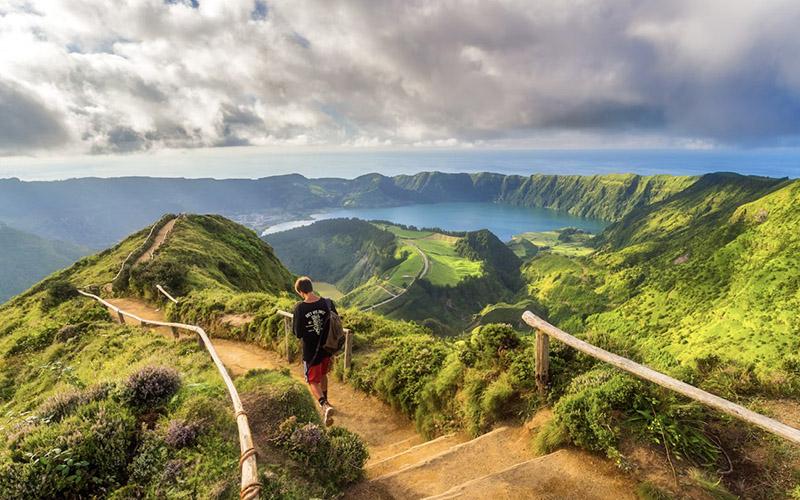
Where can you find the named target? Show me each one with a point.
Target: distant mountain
(99, 212)
(25, 259)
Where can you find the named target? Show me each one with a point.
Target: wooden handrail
(545, 329)
(166, 294)
(250, 486)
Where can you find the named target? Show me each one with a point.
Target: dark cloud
(183, 73)
(26, 122)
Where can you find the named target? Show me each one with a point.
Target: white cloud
(148, 74)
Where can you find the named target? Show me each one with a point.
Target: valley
(701, 285)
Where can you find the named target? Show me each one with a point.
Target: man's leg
(317, 390)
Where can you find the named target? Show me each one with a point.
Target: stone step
(492, 452)
(562, 475)
(413, 455)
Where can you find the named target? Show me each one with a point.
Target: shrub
(494, 343)
(152, 387)
(181, 434)
(348, 455)
(81, 456)
(58, 292)
(270, 397)
(401, 371)
(148, 462)
(590, 411)
(169, 273)
(32, 342)
(336, 456)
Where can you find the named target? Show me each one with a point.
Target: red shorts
(315, 373)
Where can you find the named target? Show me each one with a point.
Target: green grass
(328, 290)
(447, 268)
(548, 240)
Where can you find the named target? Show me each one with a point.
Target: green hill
(26, 258)
(345, 252)
(713, 302)
(95, 409)
(708, 273)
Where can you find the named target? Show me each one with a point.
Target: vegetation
(121, 280)
(210, 251)
(25, 259)
(100, 212)
(345, 252)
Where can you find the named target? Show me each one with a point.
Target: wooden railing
(250, 486)
(287, 333)
(545, 330)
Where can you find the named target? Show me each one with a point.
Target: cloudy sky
(84, 77)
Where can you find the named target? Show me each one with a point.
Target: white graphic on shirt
(315, 321)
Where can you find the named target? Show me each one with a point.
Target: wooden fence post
(121, 317)
(542, 361)
(348, 351)
(200, 341)
(287, 328)
(174, 332)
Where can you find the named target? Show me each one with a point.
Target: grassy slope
(209, 251)
(38, 363)
(25, 259)
(344, 252)
(710, 272)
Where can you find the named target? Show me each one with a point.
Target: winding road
(425, 267)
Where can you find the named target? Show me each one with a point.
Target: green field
(549, 240)
(328, 290)
(447, 268)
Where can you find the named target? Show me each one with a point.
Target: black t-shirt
(310, 324)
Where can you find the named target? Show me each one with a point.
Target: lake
(503, 220)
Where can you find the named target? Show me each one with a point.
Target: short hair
(303, 285)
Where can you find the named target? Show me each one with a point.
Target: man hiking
(311, 324)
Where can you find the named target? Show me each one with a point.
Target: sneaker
(327, 414)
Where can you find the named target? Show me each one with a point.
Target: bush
(148, 462)
(592, 408)
(169, 273)
(348, 455)
(401, 371)
(181, 434)
(83, 455)
(152, 387)
(32, 342)
(336, 456)
(58, 292)
(270, 397)
(494, 343)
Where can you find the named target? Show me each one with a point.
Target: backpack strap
(319, 341)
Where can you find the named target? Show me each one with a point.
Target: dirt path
(161, 236)
(372, 419)
(495, 465)
(425, 267)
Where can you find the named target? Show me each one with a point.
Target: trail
(425, 267)
(161, 236)
(402, 465)
(372, 419)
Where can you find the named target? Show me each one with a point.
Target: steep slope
(26, 258)
(92, 408)
(209, 251)
(345, 252)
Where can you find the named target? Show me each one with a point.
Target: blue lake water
(503, 220)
